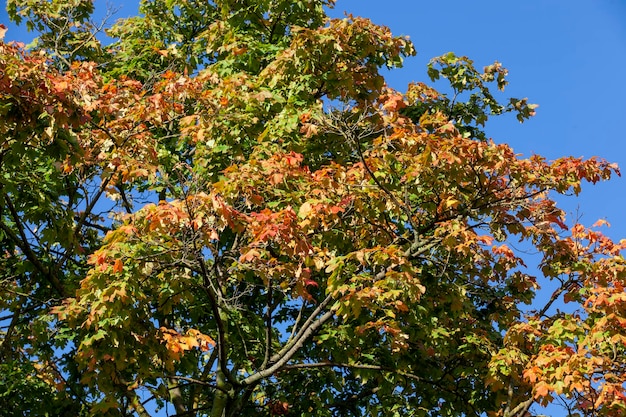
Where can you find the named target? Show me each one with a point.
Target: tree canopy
(225, 211)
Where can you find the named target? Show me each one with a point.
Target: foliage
(228, 212)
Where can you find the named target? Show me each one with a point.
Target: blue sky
(567, 56)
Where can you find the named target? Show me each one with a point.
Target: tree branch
(521, 409)
(22, 243)
(268, 326)
(555, 295)
(304, 327)
(136, 404)
(352, 366)
(299, 342)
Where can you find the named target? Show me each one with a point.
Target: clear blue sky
(568, 56)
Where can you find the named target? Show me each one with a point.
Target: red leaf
(310, 282)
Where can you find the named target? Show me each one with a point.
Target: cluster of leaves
(228, 212)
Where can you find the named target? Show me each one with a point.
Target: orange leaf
(601, 222)
(542, 389)
(118, 266)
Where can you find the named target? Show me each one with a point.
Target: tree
(227, 212)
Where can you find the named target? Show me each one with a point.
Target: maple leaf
(118, 266)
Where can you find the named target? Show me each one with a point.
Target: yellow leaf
(426, 156)
(305, 209)
(452, 202)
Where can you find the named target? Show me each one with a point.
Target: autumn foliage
(227, 212)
